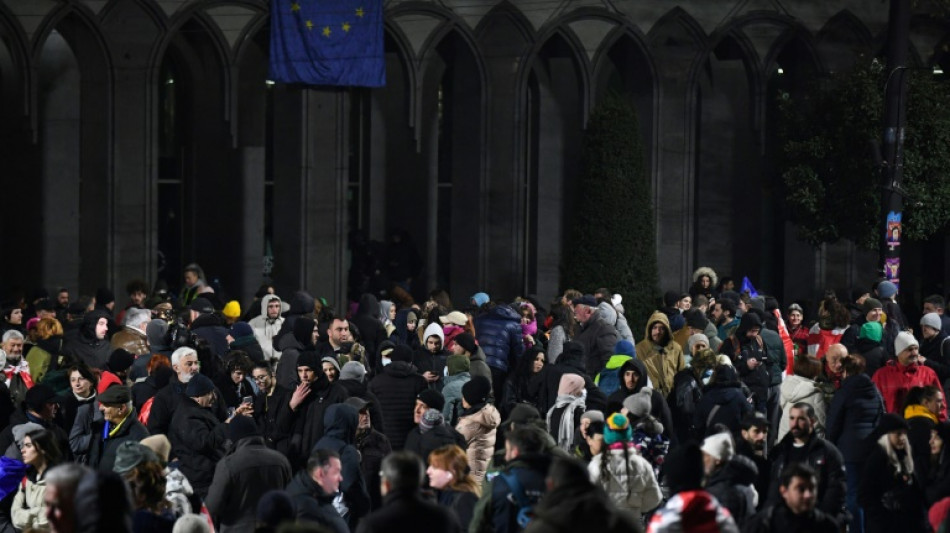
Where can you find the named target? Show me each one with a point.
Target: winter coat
(286, 371)
(895, 380)
(659, 408)
(496, 511)
(360, 390)
(556, 341)
(684, 402)
(607, 380)
(397, 388)
(197, 439)
(854, 413)
(265, 329)
(478, 366)
(612, 317)
(85, 347)
(309, 422)
(240, 480)
(479, 429)
(890, 493)
(874, 355)
(731, 403)
(598, 339)
(630, 483)
(372, 331)
(250, 346)
(828, 464)
(462, 504)
(29, 509)
(741, 349)
(694, 510)
(580, 508)
(777, 358)
(274, 418)
(408, 510)
(920, 423)
(313, 504)
(499, 336)
(732, 484)
(132, 340)
(662, 361)
(937, 354)
(799, 389)
(340, 422)
(213, 328)
(373, 447)
(102, 452)
(779, 518)
(422, 444)
(452, 392)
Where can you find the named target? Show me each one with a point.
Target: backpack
(608, 381)
(525, 506)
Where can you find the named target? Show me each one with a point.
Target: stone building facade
(140, 135)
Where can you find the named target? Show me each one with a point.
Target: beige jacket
(661, 366)
(479, 431)
(28, 510)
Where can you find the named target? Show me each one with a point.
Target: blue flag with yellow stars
(327, 42)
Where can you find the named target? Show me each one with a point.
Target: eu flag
(327, 42)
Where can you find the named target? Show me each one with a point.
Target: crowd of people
(732, 412)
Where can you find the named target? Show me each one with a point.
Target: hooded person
(749, 354)
(607, 379)
(267, 325)
(91, 346)
(340, 422)
(429, 359)
(688, 392)
(478, 424)
(405, 333)
(370, 324)
(301, 304)
(632, 376)
(662, 357)
(301, 339)
(353, 379)
(704, 283)
(723, 402)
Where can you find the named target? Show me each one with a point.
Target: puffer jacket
(855, 411)
(895, 380)
(131, 340)
(662, 361)
(479, 429)
(397, 387)
(732, 486)
(499, 336)
(611, 316)
(265, 329)
(29, 510)
(631, 483)
(799, 389)
(722, 402)
(598, 339)
(197, 439)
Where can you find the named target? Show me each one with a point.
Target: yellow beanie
(232, 309)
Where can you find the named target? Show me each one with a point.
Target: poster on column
(893, 236)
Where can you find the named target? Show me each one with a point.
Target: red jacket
(895, 380)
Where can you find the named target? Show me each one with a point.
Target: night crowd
(729, 412)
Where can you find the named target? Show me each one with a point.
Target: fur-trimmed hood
(706, 271)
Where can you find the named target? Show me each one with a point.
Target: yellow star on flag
(295, 7)
(360, 12)
(346, 26)
(309, 25)
(326, 31)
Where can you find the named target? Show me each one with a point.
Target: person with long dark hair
(563, 329)
(526, 384)
(40, 452)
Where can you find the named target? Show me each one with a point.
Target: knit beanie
(871, 304)
(593, 416)
(719, 446)
(683, 468)
(570, 384)
(466, 341)
(120, 360)
(696, 319)
(432, 398)
(239, 330)
(931, 320)
(310, 359)
(241, 427)
(477, 390)
(693, 339)
(617, 429)
(430, 419)
(639, 404)
(199, 386)
(903, 341)
(872, 331)
(232, 309)
(401, 353)
(624, 347)
(480, 298)
(353, 370)
(456, 364)
(886, 289)
(274, 508)
(156, 331)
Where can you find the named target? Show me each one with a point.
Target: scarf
(565, 431)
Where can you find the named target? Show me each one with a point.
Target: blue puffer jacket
(499, 336)
(855, 411)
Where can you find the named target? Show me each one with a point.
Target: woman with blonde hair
(451, 476)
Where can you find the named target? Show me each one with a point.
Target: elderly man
(132, 337)
(596, 336)
(59, 498)
(896, 378)
(118, 425)
(13, 344)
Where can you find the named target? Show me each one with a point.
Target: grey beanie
(353, 370)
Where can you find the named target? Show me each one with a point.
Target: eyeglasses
(261, 377)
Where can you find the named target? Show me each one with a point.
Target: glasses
(261, 377)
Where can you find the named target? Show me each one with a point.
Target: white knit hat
(903, 341)
(719, 446)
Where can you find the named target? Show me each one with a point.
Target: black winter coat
(873, 353)
(102, 453)
(314, 505)
(659, 408)
(405, 510)
(241, 479)
(581, 508)
(213, 328)
(340, 422)
(732, 406)
(780, 519)
(372, 332)
(308, 423)
(891, 501)
(855, 411)
(422, 444)
(499, 336)
(275, 419)
(828, 464)
(198, 439)
(397, 387)
(598, 339)
(373, 447)
(731, 486)
(359, 390)
(85, 347)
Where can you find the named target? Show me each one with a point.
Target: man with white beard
(16, 370)
(185, 365)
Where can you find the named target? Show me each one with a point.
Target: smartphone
(248, 399)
